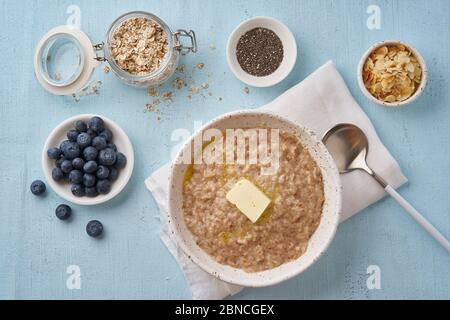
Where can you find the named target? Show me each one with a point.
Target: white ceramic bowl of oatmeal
(202, 250)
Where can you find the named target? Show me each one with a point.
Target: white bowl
(120, 139)
(399, 103)
(289, 50)
(319, 241)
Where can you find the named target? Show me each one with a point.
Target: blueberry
(90, 153)
(63, 211)
(91, 192)
(76, 176)
(121, 160)
(88, 180)
(63, 145)
(90, 166)
(107, 134)
(84, 140)
(81, 126)
(77, 190)
(96, 124)
(72, 150)
(113, 174)
(37, 187)
(54, 153)
(78, 163)
(102, 172)
(72, 135)
(94, 228)
(103, 186)
(111, 146)
(57, 174)
(59, 162)
(92, 133)
(107, 157)
(99, 143)
(66, 166)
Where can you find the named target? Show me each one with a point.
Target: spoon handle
(418, 217)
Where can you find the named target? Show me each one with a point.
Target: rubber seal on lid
(64, 60)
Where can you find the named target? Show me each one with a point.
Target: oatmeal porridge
(281, 234)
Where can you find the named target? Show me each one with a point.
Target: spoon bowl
(348, 145)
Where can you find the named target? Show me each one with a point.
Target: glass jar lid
(64, 60)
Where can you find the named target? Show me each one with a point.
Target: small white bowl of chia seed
(261, 51)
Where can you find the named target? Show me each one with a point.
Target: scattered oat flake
(210, 93)
(200, 65)
(155, 102)
(152, 92)
(181, 69)
(167, 96)
(205, 85)
(246, 90)
(178, 83)
(194, 89)
(149, 107)
(106, 69)
(87, 91)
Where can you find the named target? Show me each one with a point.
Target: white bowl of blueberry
(88, 159)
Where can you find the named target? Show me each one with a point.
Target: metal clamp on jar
(65, 57)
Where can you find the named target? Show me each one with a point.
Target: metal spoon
(348, 146)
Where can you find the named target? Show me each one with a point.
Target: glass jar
(65, 58)
(170, 62)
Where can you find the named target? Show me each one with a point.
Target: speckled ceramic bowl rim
(119, 138)
(328, 225)
(400, 103)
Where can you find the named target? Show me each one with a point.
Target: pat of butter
(248, 199)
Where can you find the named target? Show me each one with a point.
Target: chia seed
(259, 52)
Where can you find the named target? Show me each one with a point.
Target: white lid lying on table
(64, 60)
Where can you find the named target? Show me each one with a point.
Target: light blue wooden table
(130, 261)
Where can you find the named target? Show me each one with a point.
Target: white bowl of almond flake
(392, 73)
(261, 51)
(254, 223)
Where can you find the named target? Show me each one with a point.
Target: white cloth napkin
(319, 102)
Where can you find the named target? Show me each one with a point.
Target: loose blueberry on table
(89, 160)
(63, 211)
(37, 187)
(94, 228)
